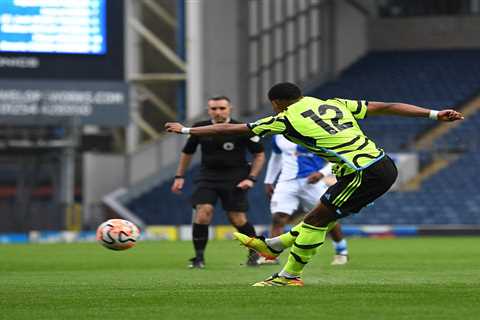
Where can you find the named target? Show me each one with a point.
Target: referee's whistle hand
(177, 186)
(173, 127)
(245, 184)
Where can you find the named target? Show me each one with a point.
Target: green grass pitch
(411, 278)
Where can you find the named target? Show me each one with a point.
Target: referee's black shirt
(223, 156)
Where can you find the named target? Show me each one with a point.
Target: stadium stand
(428, 78)
(443, 199)
(463, 137)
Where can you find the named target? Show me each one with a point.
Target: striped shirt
(327, 128)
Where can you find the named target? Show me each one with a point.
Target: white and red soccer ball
(117, 234)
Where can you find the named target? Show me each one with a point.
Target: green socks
(287, 239)
(305, 239)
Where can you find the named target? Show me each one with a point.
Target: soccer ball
(117, 234)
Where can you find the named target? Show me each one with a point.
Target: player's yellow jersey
(328, 128)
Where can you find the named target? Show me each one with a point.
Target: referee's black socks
(247, 229)
(200, 238)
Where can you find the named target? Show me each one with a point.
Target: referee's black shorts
(231, 197)
(354, 191)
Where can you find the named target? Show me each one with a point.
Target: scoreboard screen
(63, 59)
(53, 26)
(62, 39)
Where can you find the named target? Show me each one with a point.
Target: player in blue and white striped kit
(301, 181)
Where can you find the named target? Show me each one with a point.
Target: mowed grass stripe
(412, 278)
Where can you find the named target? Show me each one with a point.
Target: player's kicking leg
(309, 236)
(258, 244)
(279, 221)
(271, 248)
(349, 195)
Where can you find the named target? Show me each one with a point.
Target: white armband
(433, 115)
(185, 130)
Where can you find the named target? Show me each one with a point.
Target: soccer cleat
(197, 263)
(278, 281)
(265, 262)
(339, 259)
(258, 244)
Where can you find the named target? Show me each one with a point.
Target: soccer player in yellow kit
(329, 129)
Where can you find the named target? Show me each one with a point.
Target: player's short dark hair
(216, 98)
(284, 91)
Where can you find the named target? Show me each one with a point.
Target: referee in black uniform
(224, 174)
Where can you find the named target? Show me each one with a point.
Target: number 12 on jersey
(322, 109)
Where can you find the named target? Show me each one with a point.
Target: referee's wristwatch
(252, 178)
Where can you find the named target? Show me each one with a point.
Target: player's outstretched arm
(221, 128)
(409, 110)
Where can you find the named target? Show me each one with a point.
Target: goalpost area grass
(402, 278)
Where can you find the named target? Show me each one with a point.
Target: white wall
(148, 161)
(194, 46)
(214, 44)
(102, 173)
(351, 35)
